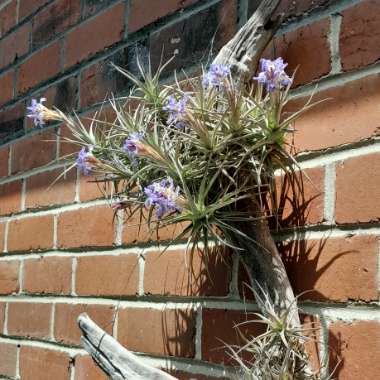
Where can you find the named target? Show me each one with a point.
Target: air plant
(201, 152)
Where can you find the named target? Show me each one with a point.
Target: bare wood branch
(112, 357)
(245, 48)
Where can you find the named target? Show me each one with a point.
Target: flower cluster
(36, 112)
(131, 145)
(217, 76)
(176, 110)
(162, 195)
(83, 159)
(272, 74)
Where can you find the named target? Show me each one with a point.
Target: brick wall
(63, 254)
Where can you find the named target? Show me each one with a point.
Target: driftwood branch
(112, 357)
(262, 260)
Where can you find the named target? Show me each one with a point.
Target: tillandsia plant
(203, 153)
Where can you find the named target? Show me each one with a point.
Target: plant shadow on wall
(204, 153)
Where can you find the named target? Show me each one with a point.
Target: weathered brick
(356, 189)
(15, 45)
(50, 188)
(7, 83)
(348, 114)
(218, 329)
(66, 148)
(66, 326)
(302, 204)
(32, 152)
(42, 65)
(10, 197)
(12, 122)
(36, 232)
(354, 349)
(95, 275)
(27, 7)
(29, 319)
(4, 157)
(80, 44)
(93, 226)
(89, 189)
(306, 48)
(8, 15)
(359, 35)
(9, 282)
(189, 39)
(8, 360)
(171, 332)
(99, 81)
(176, 273)
(54, 19)
(333, 269)
(86, 369)
(144, 12)
(43, 364)
(47, 275)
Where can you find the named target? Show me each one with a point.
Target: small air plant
(279, 352)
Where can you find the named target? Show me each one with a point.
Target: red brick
(171, 332)
(144, 12)
(80, 44)
(93, 226)
(42, 364)
(9, 277)
(27, 7)
(10, 197)
(307, 47)
(33, 152)
(8, 17)
(7, 84)
(50, 188)
(54, 19)
(42, 65)
(67, 149)
(4, 157)
(96, 275)
(357, 187)
(304, 204)
(175, 273)
(333, 269)
(2, 316)
(348, 114)
(90, 190)
(15, 45)
(359, 35)
(29, 319)
(218, 330)
(86, 369)
(36, 232)
(47, 275)
(354, 350)
(66, 326)
(8, 359)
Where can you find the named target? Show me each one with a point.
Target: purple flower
(36, 112)
(216, 76)
(176, 111)
(82, 161)
(130, 144)
(163, 196)
(272, 74)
